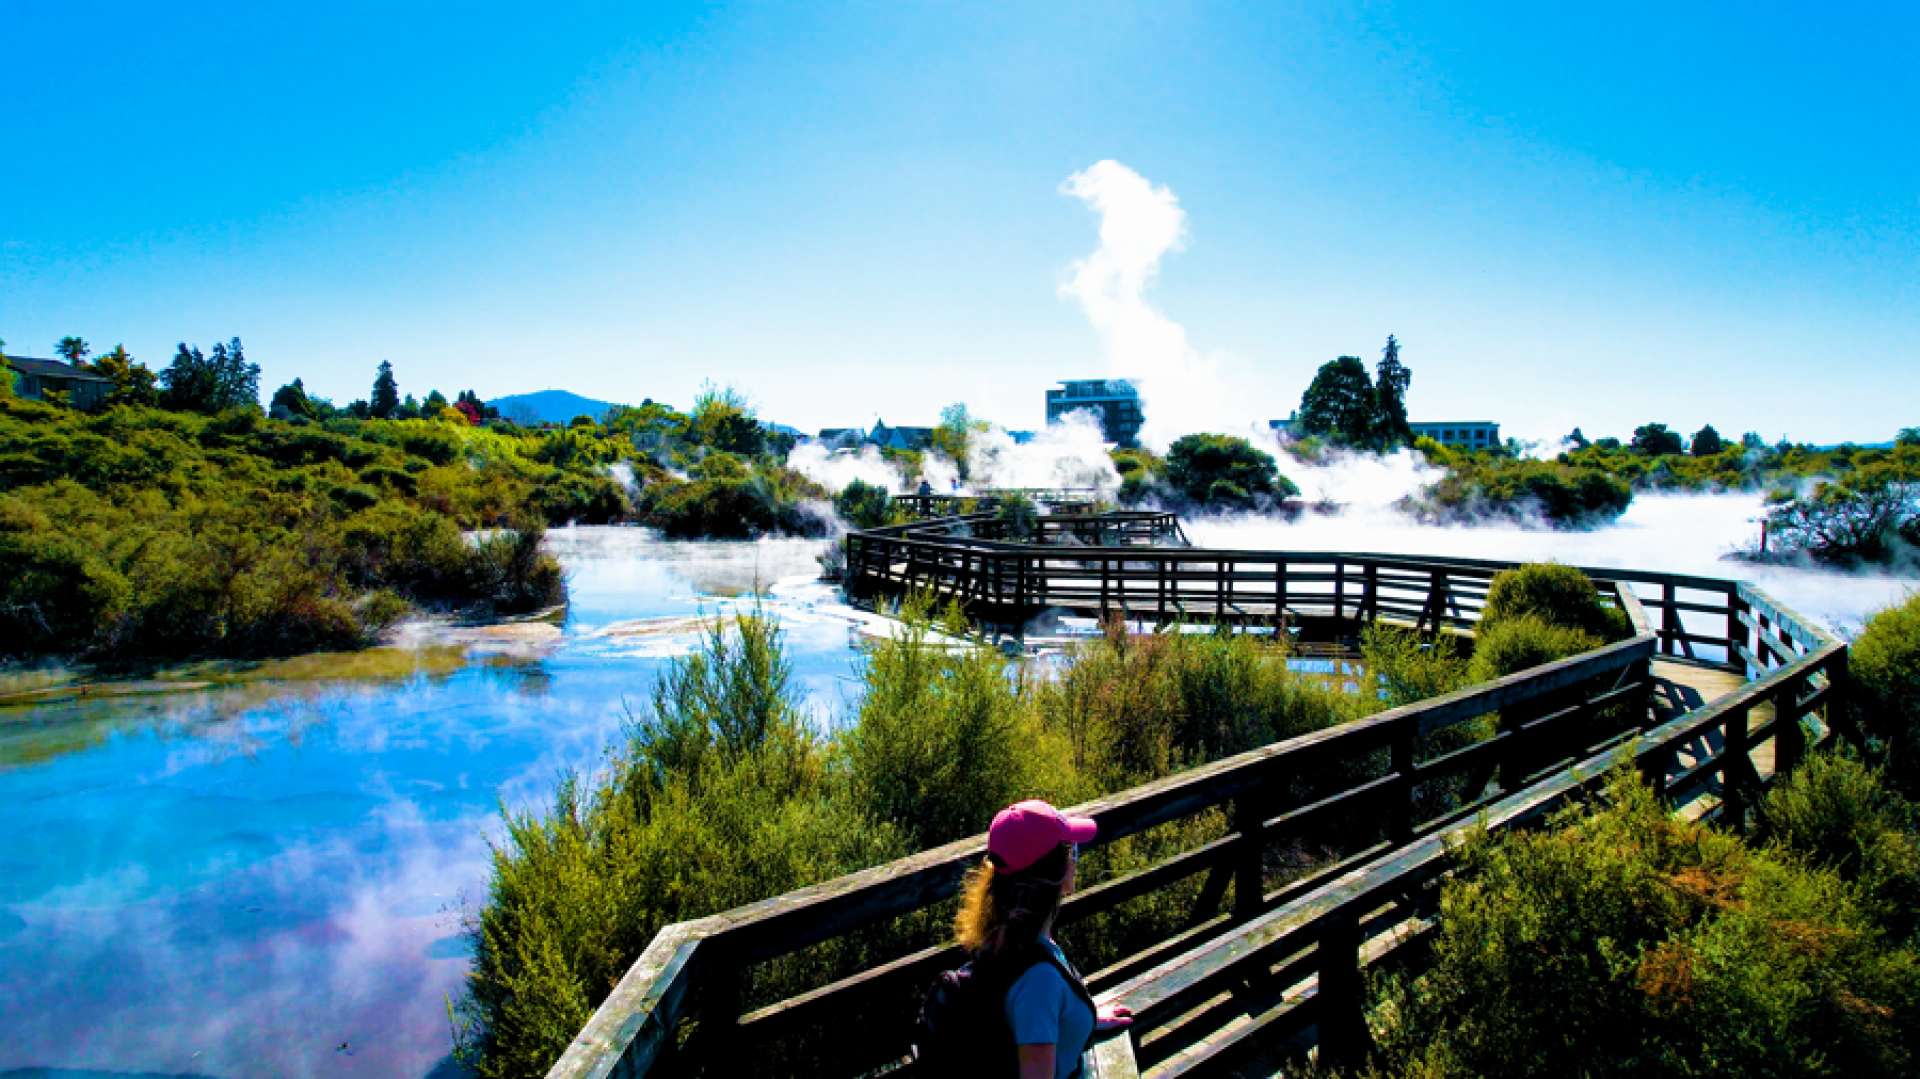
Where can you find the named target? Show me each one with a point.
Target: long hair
(1001, 910)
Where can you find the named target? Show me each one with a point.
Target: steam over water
(1671, 533)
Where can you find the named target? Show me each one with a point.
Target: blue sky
(1582, 216)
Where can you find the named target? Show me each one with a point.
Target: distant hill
(549, 406)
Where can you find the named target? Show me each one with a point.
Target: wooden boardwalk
(1727, 686)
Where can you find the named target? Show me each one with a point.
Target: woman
(1006, 924)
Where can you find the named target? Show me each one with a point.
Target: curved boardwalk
(1717, 689)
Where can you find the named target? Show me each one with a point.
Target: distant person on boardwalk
(1006, 925)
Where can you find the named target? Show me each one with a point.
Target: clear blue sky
(1594, 216)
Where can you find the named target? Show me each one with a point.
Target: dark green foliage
(1140, 473)
(1222, 470)
(1873, 516)
(723, 420)
(1706, 442)
(1654, 440)
(1885, 665)
(133, 384)
(1527, 640)
(863, 505)
(1841, 815)
(1625, 941)
(1556, 594)
(1341, 404)
(723, 795)
(74, 350)
(728, 498)
(1390, 392)
(138, 534)
(215, 383)
(1412, 666)
(1478, 486)
(386, 393)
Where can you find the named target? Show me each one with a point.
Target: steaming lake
(264, 876)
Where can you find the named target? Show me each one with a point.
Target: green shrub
(1841, 815)
(1557, 594)
(863, 505)
(1626, 941)
(1885, 664)
(1411, 666)
(1518, 642)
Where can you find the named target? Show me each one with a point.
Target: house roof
(52, 369)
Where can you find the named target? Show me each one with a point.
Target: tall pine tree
(386, 393)
(1391, 379)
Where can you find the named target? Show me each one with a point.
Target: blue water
(267, 877)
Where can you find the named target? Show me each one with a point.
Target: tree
(1390, 391)
(1908, 436)
(386, 393)
(6, 373)
(1707, 442)
(133, 384)
(1340, 403)
(290, 402)
(435, 404)
(213, 383)
(409, 409)
(1654, 440)
(1577, 440)
(863, 505)
(1210, 469)
(723, 420)
(75, 349)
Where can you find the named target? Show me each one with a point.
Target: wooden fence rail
(1374, 780)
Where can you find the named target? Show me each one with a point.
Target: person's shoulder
(1041, 977)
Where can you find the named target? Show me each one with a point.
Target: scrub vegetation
(177, 519)
(1623, 940)
(724, 793)
(701, 810)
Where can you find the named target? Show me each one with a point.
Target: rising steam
(1139, 225)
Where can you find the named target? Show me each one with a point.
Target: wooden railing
(968, 558)
(1307, 940)
(1271, 796)
(1305, 957)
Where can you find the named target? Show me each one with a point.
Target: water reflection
(243, 870)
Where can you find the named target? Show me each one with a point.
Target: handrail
(1539, 709)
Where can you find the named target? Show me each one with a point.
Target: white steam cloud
(1070, 453)
(1139, 225)
(834, 469)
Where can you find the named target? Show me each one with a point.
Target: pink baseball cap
(1024, 832)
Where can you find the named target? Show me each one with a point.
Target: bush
(1517, 643)
(942, 740)
(1840, 814)
(1411, 666)
(1556, 594)
(863, 505)
(1222, 470)
(1626, 941)
(1885, 667)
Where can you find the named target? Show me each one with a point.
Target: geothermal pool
(265, 875)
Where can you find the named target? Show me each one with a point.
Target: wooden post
(1339, 997)
(1736, 631)
(1160, 589)
(1370, 597)
(1280, 593)
(1789, 738)
(1669, 618)
(1105, 566)
(1339, 589)
(1249, 869)
(1400, 826)
(1219, 591)
(1735, 766)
